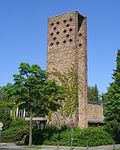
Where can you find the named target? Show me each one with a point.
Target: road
(12, 146)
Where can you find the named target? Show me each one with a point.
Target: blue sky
(23, 35)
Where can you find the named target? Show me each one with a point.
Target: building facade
(67, 47)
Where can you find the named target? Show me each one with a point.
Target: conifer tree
(112, 106)
(93, 93)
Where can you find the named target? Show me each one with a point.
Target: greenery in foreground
(81, 137)
(92, 136)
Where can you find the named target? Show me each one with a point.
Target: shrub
(13, 134)
(92, 136)
(18, 122)
(5, 118)
(18, 128)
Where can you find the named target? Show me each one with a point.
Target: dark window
(57, 32)
(70, 40)
(57, 42)
(51, 44)
(54, 28)
(52, 24)
(67, 25)
(51, 34)
(64, 21)
(70, 19)
(67, 35)
(80, 34)
(54, 38)
(80, 44)
(70, 29)
(64, 41)
(64, 31)
(58, 22)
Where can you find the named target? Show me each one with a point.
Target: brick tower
(67, 46)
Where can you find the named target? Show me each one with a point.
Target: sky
(23, 35)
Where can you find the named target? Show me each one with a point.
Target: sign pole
(72, 126)
(71, 138)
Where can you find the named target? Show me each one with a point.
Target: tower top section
(67, 13)
(64, 30)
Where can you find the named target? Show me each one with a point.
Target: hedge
(93, 136)
(14, 134)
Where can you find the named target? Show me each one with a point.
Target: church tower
(67, 46)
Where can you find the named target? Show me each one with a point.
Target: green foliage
(93, 93)
(50, 136)
(37, 95)
(8, 100)
(14, 134)
(81, 137)
(12, 131)
(69, 81)
(104, 97)
(5, 117)
(18, 128)
(18, 122)
(34, 91)
(27, 83)
(112, 105)
(95, 136)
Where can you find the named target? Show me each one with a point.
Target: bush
(5, 118)
(18, 128)
(18, 122)
(13, 131)
(13, 134)
(92, 136)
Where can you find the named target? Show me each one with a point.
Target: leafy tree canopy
(34, 91)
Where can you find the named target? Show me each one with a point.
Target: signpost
(72, 126)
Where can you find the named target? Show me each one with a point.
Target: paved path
(108, 147)
(12, 146)
(1, 148)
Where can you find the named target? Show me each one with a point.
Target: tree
(35, 93)
(112, 104)
(93, 94)
(7, 103)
